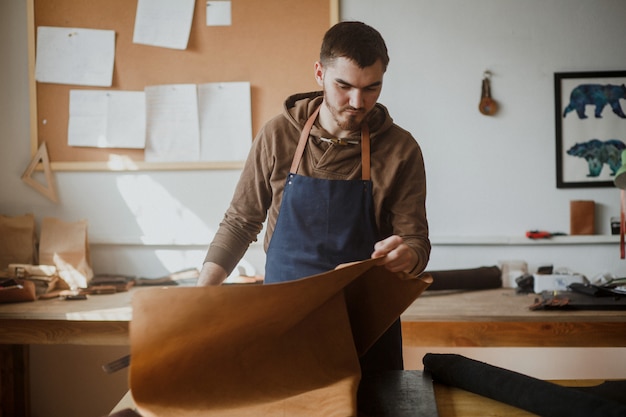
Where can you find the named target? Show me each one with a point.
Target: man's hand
(396, 255)
(211, 274)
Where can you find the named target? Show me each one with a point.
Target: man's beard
(347, 123)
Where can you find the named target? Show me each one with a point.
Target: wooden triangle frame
(41, 156)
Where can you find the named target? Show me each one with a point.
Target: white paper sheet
(173, 132)
(218, 13)
(75, 56)
(164, 23)
(225, 121)
(107, 119)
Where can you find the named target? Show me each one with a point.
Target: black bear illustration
(597, 95)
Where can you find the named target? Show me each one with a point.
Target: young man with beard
(336, 180)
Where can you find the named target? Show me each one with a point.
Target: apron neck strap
(304, 136)
(365, 151)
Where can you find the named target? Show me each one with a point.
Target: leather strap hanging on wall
(487, 106)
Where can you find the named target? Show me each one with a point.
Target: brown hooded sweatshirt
(397, 173)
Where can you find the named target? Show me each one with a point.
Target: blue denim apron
(323, 223)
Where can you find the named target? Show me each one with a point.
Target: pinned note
(165, 23)
(218, 13)
(173, 129)
(107, 119)
(75, 56)
(225, 121)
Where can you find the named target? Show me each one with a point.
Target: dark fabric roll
(613, 390)
(530, 394)
(482, 278)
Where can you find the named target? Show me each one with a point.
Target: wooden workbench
(488, 318)
(501, 318)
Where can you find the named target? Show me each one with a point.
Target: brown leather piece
(18, 240)
(18, 290)
(276, 349)
(582, 217)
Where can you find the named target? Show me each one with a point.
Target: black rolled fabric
(482, 278)
(530, 394)
(613, 390)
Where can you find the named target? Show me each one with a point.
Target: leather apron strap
(304, 137)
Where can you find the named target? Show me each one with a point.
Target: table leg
(14, 381)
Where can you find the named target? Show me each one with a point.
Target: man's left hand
(395, 255)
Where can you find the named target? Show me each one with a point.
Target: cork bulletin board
(272, 44)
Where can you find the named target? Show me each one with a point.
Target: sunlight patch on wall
(162, 219)
(179, 259)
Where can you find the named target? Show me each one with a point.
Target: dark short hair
(356, 41)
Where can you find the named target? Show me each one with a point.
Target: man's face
(350, 93)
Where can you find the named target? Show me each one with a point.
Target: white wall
(492, 175)
(487, 176)
(495, 176)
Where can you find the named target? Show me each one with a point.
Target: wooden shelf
(435, 240)
(522, 240)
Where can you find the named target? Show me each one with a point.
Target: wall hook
(487, 105)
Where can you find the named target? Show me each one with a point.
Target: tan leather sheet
(280, 349)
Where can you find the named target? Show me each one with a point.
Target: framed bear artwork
(590, 125)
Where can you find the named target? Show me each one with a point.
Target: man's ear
(319, 73)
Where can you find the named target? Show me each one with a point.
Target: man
(337, 180)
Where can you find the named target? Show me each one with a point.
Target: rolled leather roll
(482, 278)
(530, 394)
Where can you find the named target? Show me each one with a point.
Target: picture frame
(590, 123)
